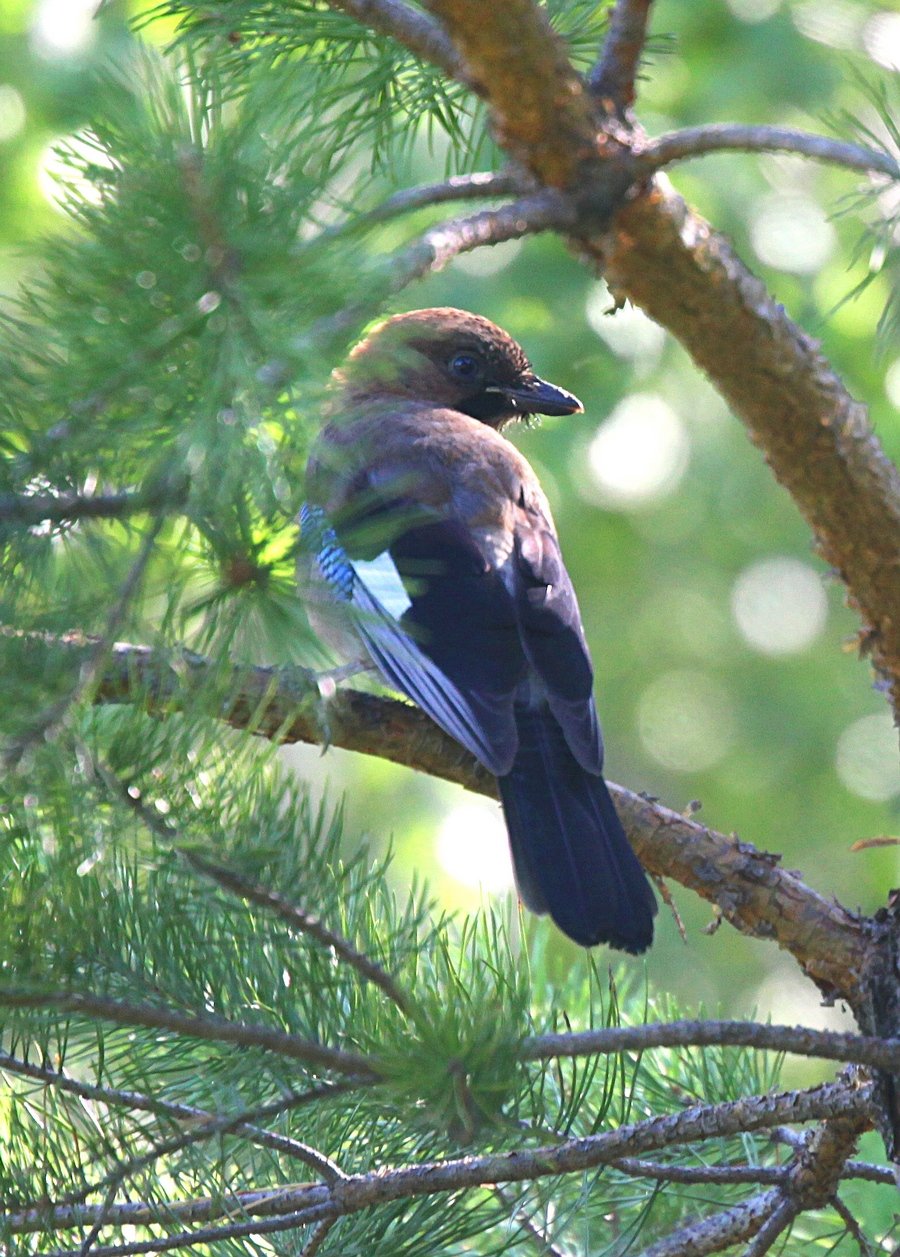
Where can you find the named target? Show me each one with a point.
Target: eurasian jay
(431, 554)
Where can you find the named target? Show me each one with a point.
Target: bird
(429, 552)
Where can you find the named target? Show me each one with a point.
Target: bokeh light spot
(686, 720)
(61, 28)
(867, 759)
(881, 39)
(779, 605)
(472, 847)
(12, 112)
(638, 454)
(792, 233)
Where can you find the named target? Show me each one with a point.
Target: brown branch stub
(540, 111)
(613, 79)
(814, 435)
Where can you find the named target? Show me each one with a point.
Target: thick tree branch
(748, 887)
(361, 1191)
(613, 78)
(735, 137)
(551, 127)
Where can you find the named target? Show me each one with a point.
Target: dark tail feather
(570, 853)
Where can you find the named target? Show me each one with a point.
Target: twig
(31, 509)
(52, 715)
(303, 921)
(872, 1173)
(357, 1192)
(317, 1239)
(853, 1228)
(139, 1102)
(418, 32)
(614, 76)
(736, 137)
(637, 1168)
(830, 1045)
(476, 186)
(209, 1028)
(439, 245)
(532, 1231)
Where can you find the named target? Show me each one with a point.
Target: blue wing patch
(402, 664)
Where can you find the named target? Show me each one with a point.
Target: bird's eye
(464, 366)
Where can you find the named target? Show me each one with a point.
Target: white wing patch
(381, 578)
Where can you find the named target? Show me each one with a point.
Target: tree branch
(478, 186)
(720, 1230)
(827, 1044)
(358, 1192)
(613, 78)
(210, 1028)
(415, 30)
(31, 509)
(736, 137)
(752, 892)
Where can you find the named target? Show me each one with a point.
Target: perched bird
(431, 553)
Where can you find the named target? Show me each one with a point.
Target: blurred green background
(726, 664)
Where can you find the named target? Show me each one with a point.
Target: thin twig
(614, 76)
(52, 716)
(531, 1229)
(209, 1028)
(736, 137)
(317, 1239)
(772, 1174)
(476, 186)
(303, 921)
(358, 1192)
(828, 1044)
(853, 1228)
(31, 509)
(546, 210)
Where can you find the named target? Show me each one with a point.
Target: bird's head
(451, 358)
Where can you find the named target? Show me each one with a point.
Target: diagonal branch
(613, 78)
(211, 1028)
(474, 187)
(749, 888)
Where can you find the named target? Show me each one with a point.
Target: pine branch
(712, 1234)
(853, 1228)
(318, 1237)
(613, 78)
(31, 509)
(782, 1216)
(210, 1028)
(826, 1044)
(299, 919)
(671, 1173)
(736, 137)
(477, 186)
(355, 1193)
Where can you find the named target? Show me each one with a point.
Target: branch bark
(746, 885)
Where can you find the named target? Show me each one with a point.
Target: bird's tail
(570, 853)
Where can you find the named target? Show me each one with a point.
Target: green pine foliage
(175, 341)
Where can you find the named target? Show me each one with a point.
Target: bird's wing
(552, 634)
(394, 651)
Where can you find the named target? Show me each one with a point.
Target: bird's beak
(534, 396)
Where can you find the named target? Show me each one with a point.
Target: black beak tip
(541, 398)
